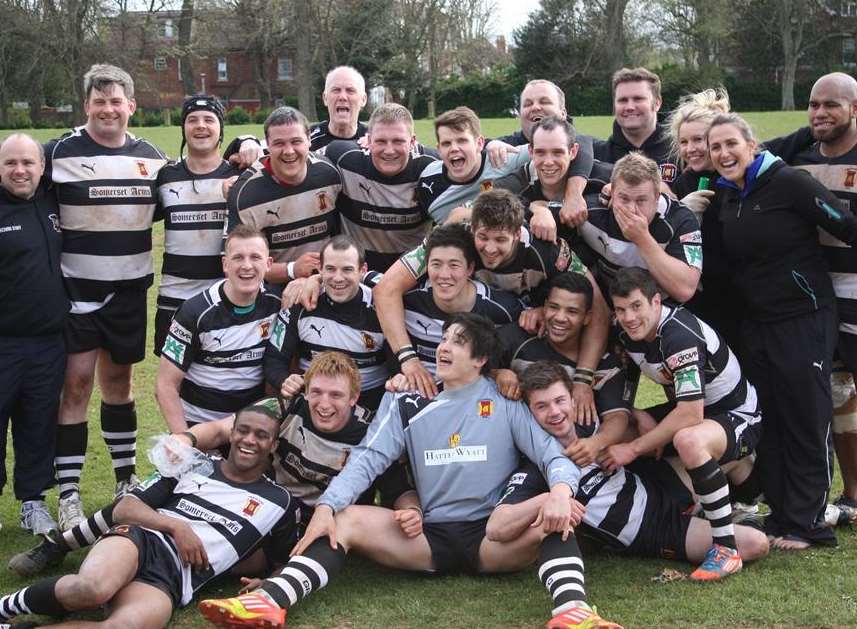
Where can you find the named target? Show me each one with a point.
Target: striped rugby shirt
(295, 219)
(231, 519)
(424, 320)
(378, 211)
(107, 200)
(220, 348)
(194, 213)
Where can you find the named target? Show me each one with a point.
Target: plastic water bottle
(173, 458)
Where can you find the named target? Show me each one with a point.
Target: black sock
(305, 573)
(560, 569)
(119, 429)
(747, 491)
(70, 455)
(709, 483)
(41, 598)
(89, 531)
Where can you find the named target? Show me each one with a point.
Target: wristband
(290, 270)
(405, 348)
(583, 378)
(406, 356)
(192, 437)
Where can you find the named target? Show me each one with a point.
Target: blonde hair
(333, 364)
(634, 169)
(391, 113)
(701, 107)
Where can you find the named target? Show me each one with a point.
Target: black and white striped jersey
(194, 213)
(615, 501)
(320, 135)
(107, 203)
(522, 349)
(674, 228)
(534, 262)
(295, 219)
(232, 520)
(424, 320)
(839, 175)
(351, 327)
(220, 348)
(692, 362)
(377, 211)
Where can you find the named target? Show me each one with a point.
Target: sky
(512, 14)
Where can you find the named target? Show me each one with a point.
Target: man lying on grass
(462, 445)
(172, 536)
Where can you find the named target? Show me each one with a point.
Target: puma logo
(90, 168)
(428, 186)
(273, 212)
(603, 241)
(365, 188)
(199, 485)
(819, 364)
(175, 192)
(315, 329)
(424, 326)
(412, 400)
(219, 339)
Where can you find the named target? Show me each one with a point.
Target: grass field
(813, 589)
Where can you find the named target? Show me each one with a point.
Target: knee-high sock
(89, 531)
(305, 573)
(710, 484)
(560, 569)
(70, 455)
(39, 598)
(119, 429)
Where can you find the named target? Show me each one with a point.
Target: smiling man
(344, 319)
(211, 361)
(378, 203)
(290, 196)
(462, 446)
(344, 96)
(174, 535)
(194, 211)
(636, 102)
(32, 319)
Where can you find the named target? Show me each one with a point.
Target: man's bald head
(345, 72)
(832, 112)
(344, 96)
(22, 163)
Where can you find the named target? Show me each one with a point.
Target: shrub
(237, 115)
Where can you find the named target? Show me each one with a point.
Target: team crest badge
(251, 507)
(486, 408)
(321, 200)
(368, 341)
(668, 172)
(264, 329)
(850, 178)
(141, 166)
(454, 440)
(344, 460)
(122, 529)
(486, 185)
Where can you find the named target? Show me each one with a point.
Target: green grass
(814, 589)
(765, 124)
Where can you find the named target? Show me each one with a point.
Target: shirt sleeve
(283, 537)
(383, 444)
(525, 483)
(155, 491)
(282, 345)
(684, 356)
(821, 207)
(182, 341)
(581, 165)
(686, 244)
(787, 147)
(609, 386)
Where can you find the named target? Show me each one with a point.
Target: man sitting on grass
(173, 535)
(462, 445)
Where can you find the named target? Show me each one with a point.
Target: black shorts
(663, 531)
(163, 318)
(118, 327)
(846, 350)
(455, 545)
(741, 437)
(156, 566)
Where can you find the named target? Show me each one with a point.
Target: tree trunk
(791, 22)
(185, 28)
(304, 75)
(615, 29)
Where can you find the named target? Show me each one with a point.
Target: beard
(833, 133)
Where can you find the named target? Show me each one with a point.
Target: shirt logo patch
(264, 329)
(279, 335)
(251, 507)
(668, 172)
(321, 200)
(55, 221)
(687, 381)
(460, 454)
(454, 440)
(694, 238)
(685, 357)
(174, 349)
(180, 332)
(850, 178)
(141, 166)
(368, 341)
(486, 408)
(564, 256)
(693, 254)
(486, 185)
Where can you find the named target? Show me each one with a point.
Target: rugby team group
(428, 356)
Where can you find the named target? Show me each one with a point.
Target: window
(849, 51)
(166, 29)
(848, 9)
(222, 72)
(284, 69)
(160, 64)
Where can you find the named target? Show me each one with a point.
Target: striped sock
(119, 429)
(561, 570)
(710, 484)
(305, 573)
(13, 605)
(70, 455)
(89, 531)
(39, 598)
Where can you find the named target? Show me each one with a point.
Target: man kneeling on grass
(462, 445)
(630, 513)
(172, 536)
